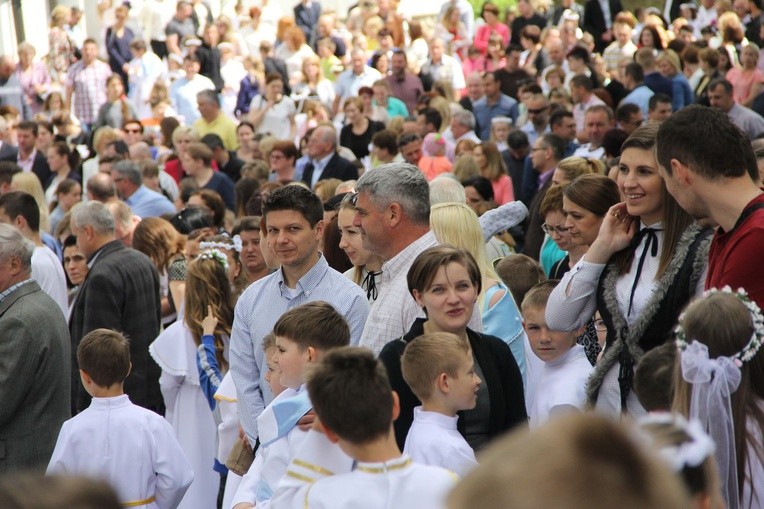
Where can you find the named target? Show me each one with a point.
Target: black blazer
(502, 377)
(40, 167)
(121, 292)
(338, 167)
(307, 18)
(594, 20)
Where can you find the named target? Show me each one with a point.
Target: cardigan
(501, 376)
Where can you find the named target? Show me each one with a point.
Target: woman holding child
(446, 282)
(646, 262)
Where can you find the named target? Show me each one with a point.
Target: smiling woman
(644, 263)
(446, 283)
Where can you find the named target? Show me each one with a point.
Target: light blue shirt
(258, 309)
(484, 112)
(641, 97)
(148, 203)
(318, 169)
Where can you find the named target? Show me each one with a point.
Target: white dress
(188, 412)
(228, 432)
(131, 448)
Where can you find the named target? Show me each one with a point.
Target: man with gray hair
(120, 293)
(144, 202)
(325, 162)
(462, 127)
(393, 213)
(213, 120)
(446, 189)
(34, 381)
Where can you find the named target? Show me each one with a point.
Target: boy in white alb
(303, 335)
(355, 408)
(440, 370)
(133, 449)
(561, 382)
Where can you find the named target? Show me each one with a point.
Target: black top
(359, 144)
(502, 378)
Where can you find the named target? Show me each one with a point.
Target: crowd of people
(331, 259)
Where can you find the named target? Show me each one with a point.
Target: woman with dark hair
(62, 162)
(708, 60)
(650, 38)
(492, 25)
(272, 111)
(245, 135)
(68, 194)
(478, 190)
(211, 203)
(646, 262)
(117, 109)
(444, 270)
(335, 257)
(282, 158)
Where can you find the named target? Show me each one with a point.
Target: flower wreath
(217, 255)
(753, 345)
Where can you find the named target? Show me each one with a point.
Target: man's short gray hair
(93, 214)
(446, 189)
(465, 118)
(139, 151)
(130, 170)
(13, 243)
(401, 183)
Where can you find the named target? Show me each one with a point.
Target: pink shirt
(434, 166)
(484, 33)
(502, 190)
(742, 82)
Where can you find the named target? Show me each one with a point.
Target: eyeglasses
(548, 229)
(600, 325)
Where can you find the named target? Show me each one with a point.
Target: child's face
(465, 386)
(291, 361)
(548, 345)
(272, 376)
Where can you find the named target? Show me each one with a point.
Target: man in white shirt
(20, 209)
(599, 120)
(443, 67)
(350, 81)
(581, 88)
(183, 91)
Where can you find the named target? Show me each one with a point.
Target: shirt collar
(309, 281)
(13, 288)
(321, 163)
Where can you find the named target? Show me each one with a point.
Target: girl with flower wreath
(187, 394)
(647, 262)
(719, 380)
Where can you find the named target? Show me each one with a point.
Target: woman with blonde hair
(570, 168)
(200, 338)
(747, 80)
(182, 137)
(492, 167)
(313, 84)
(29, 183)
(33, 76)
(457, 224)
(158, 239)
(62, 47)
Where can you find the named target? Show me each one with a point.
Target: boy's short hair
(653, 378)
(575, 450)
(269, 341)
(351, 394)
(105, 356)
(537, 297)
(315, 324)
(429, 355)
(520, 273)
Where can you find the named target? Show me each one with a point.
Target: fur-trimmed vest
(673, 290)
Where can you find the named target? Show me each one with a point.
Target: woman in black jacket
(446, 282)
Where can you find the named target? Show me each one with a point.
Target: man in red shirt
(709, 168)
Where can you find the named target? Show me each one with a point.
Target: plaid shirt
(89, 86)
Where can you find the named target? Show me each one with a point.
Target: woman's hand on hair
(616, 232)
(209, 323)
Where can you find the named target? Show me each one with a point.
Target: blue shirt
(258, 309)
(484, 112)
(641, 97)
(148, 203)
(224, 186)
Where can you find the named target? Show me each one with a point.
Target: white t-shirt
(49, 274)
